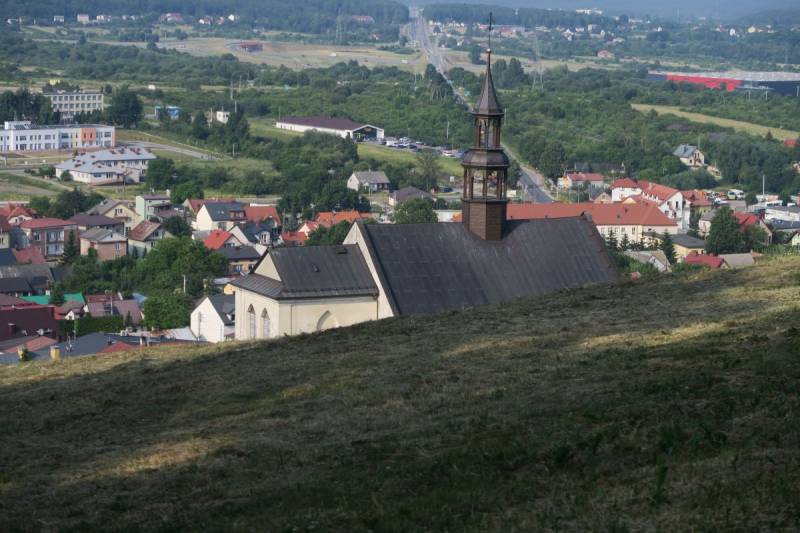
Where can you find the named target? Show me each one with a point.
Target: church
(387, 270)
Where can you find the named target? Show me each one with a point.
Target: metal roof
(219, 211)
(429, 268)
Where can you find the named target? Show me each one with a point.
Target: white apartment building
(23, 136)
(72, 103)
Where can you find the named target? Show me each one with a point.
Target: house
(241, 259)
(328, 219)
(259, 235)
(669, 200)
(144, 237)
(341, 127)
(603, 198)
(108, 244)
(690, 156)
(107, 167)
(686, 244)
(25, 279)
(128, 309)
(120, 210)
(707, 260)
(219, 238)
(213, 320)
(22, 320)
(148, 204)
(657, 258)
(736, 261)
(405, 194)
(369, 181)
(697, 201)
(49, 235)
(220, 215)
(85, 222)
(71, 103)
(16, 214)
(294, 238)
(746, 220)
(636, 222)
(193, 205)
(573, 180)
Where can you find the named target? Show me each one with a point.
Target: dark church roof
(429, 268)
(487, 103)
(314, 272)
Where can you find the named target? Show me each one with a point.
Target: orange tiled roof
(217, 239)
(602, 214)
(331, 218)
(258, 213)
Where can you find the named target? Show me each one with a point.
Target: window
(265, 330)
(251, 322)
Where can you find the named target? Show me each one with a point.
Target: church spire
(486, 164)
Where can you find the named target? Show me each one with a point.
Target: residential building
(144, 237)
(745, 219)
(107, 243)
(213, 320)
(85, 222)
(405, 194)
(49, 235)
(83, 18)
(573, 180)
(686, 244)
(341, 127)
(23, 320)
(115, 307)
(369, 181)
(219, 238)
(220, 215)
(107, 167)
(121, 210)
(690, 156)
(782, 213)
(706, 260)
(148, 204)
(241, 259)
(25, 279)
(327, 219)
(636, 222)
(23, 136)
(385, 270)
(71, 103)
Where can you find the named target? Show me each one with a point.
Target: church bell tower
(486, 166)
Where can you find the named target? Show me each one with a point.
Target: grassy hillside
(668, 405)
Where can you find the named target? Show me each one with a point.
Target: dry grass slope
(670, 405)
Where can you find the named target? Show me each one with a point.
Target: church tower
(485, 166)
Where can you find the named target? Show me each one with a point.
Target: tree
(71, 249)
(552, 159)
(165, 310)
(475, 53)
(200, 126)
(165, 266)
(57, 295)
(326, 236)
(428, 167)
(724, 237)
(126, 108)
(415, 211)
(668, 247)
(178, 227)
(185, 190)
(160, 173)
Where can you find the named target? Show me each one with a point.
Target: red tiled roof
(746, 219)
(625, 183)
(38, 223)
(602, 214)
(711, 261)
(639, 199)
(11, 210)
(331, 218)
(117, 347)
(258, 213)
(29, 255)
(697, 198)
(585, 176)
(294, 238)
(217, 239)
(791, 143)
(662, 192)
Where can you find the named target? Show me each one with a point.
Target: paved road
(532, 181)
(170, 148)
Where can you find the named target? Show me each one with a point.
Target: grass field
(745, 127)
(449, 165)
(16, 187)
(590, 410)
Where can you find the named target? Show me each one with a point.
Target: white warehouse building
(342, 127)
(23, 136)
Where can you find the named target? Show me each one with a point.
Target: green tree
(164, 267)
(552, 159)
(178, 227)
(326, 236)
(475, 52)
(160, 173)
(724, 237)
(428, 168)
(71, 249)
(126, 108)
(163, 310)
(415, 211)
(57, 295)
(668, 247)
(200, 126)
(185, 190)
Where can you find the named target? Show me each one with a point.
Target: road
(533, 182)
(170, 148)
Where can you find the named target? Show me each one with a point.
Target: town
(377, 266)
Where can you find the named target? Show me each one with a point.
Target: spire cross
(490, 32)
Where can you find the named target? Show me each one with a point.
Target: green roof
(45, 300)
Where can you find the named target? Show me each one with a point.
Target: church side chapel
(387, 270)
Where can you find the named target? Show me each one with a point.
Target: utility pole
(184, 284)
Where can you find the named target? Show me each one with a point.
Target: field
(745, 127)
(18, 187)
(589, 410)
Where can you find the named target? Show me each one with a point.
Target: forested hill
(665, 405)
(471, 13)
(276, 12)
